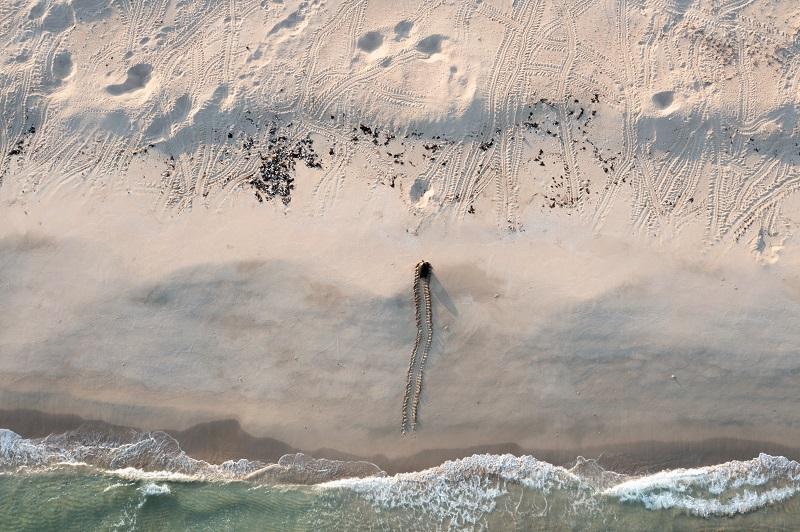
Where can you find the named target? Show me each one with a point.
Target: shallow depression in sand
(62, 65)
(403, 29)
(663, 99)
(432, 44)
(370, 41)
(138, 77)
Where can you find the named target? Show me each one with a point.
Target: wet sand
(223, 440)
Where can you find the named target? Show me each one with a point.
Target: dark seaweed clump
(20, 145)
(275, 176)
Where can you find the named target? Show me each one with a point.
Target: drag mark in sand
(422, 305)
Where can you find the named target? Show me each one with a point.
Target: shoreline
(218, 441)
(556, 343)
(537, 261)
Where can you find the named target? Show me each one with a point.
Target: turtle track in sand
(424, 321)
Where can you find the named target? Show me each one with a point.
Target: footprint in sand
(62, 65)
(662, 100)
(402, 30)
(138, 77)
(58, 18)
(432, 44)
(370, 41)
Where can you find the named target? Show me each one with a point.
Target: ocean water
(74, 483)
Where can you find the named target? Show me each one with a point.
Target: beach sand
(555, 339)
(212, 211)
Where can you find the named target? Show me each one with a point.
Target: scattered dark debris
(583, 187)
(140, 151)
(486, 145)
(607, 161)
(542, 119)
(248, 144)
(275, 176)
(19, 147)
(170, 167)
(397, 158)
(539, 157)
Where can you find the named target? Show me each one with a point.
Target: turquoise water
(92, 479)
(81, 498)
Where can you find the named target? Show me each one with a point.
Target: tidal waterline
(494, 492)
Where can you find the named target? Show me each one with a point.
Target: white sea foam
(132, 473)
(462, 491)
(127, 454)
(156, 455)
(299, 468)
(458, 491)
(114, 486)
(18, 451)
(726, 489)
(151, 489)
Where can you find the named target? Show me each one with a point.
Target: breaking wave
(727, 489)
(156, 456)
(464, 492)
(151, 489)
(461, 493)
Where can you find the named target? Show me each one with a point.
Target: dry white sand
(605, 191)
